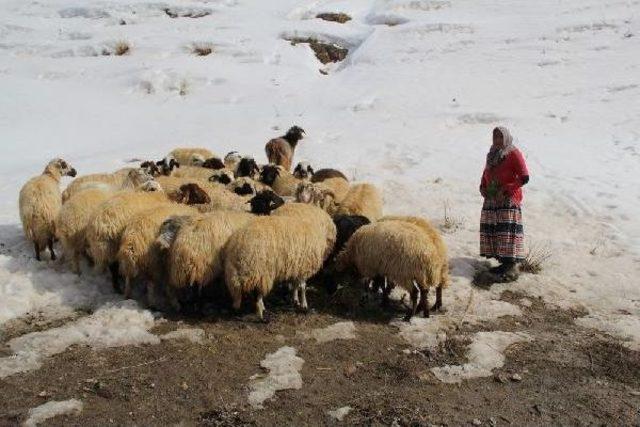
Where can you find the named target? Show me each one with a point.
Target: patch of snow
(624, 326)
(337, 331)
(195, 335)
(283, 368)
(526, 302)
(340, 413)
(485, 355)
(51, 409)
(113, 325)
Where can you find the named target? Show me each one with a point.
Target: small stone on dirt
(476, 422)
(44, 393)
(184, 386)
(516, 378)
(350, 371)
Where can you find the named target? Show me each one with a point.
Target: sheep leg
(424, 302)
(50, 246)
(303, 295)
(438, 303)
(37, 250)
(127, 288)
(386, 291)
(414, 303)
(260, 308)
(295, 296)
(114, 269)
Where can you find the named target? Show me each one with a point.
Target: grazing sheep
(120, 180)
(280, 150)
(245, 186)
(171, 185)
(191, 156)
(72, 221)
(403, 253)
(214, 163)
(108, 222)
(248, 167)
(324, 174)
(303, 171)
(232, 160)
(361, 199)
(287, 246)
(40, 202)
(280, 180)
(136, 255)
(196, 254)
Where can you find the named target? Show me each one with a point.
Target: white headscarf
(496, 155)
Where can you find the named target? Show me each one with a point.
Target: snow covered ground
(411, 109)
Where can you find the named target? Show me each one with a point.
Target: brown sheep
(280, 150)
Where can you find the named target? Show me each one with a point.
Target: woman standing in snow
(501, 230)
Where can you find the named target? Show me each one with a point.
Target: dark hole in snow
(325, 52)
(340, 18)
(186, 13)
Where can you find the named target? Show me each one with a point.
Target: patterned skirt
(501, 231)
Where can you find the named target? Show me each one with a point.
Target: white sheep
(39, 204)
(72, 221)
(231, 160)
(288, 246)
(191, 156)
(119, 180)
(196, 253)
(137, 255)
(402, 252)
(280, 180)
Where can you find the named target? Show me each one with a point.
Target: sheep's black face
(346, 225)
(151, 168)
(222, 179)
(295, 134)
(247, 167)
(167, 165)
(213, 163)
(244, 190)
(65, 168)
(265, 202)
(303, 170)
(192, 194)
(269, 174)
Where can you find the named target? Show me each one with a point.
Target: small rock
(634, 393)
(476, 422)
(516, 378)
(406, 351)
(44, 393)
(350, 371)
(493, 422)
(501, 378)
(437, 180)
(152, 385)
(184, 386)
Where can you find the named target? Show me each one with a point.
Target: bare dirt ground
(569, 375)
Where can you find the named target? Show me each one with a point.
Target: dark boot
(510, 272)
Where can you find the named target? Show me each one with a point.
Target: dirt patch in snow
(325, 52)
(340, 18)
(569, 374)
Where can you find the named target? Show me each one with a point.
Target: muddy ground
(570, 376)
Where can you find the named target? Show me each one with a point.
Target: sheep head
(303, 170)
(248, 167)
(213, 163)
(192, 194)
(294, 134)
(58, 168)
(269, 174)
(150, 167)
(223, 177)
(264, 202)
(167, 165)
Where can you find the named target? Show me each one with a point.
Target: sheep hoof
(265, 319)
(408, 317)
(301, 309)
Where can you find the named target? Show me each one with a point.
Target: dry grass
(450, 223)
(202, 49)
(536, 258)
(119, 48)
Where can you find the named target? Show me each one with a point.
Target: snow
(52, 409)
(283, 368)
(113, 325)
(411, 109)
(340, 413)
(337, 331)
(486, 353)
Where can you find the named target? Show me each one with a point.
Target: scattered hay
(119, 48)
(450, 223)
(202, 49)
(325, 52)
(536, 258)
(340, 18)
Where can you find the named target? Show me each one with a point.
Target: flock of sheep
(193, 222)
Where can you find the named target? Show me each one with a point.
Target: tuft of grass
(537, 256)
(449, 222)
(201, 49)
(121, 48)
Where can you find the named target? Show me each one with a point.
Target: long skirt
(501, 231)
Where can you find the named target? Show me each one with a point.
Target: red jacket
(505, 179)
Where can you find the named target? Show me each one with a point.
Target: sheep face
(269, 174)
(232, 159)
(265, 202)
(151, 168)
(225, 177)
(346, 225)
(294, 134)
(167, 165)
(192, 194)
(60, 167)
(244, 190)
(303, 171)
(139, 176)
(247, 167)
(213, 163)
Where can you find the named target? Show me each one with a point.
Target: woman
(501, 230)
